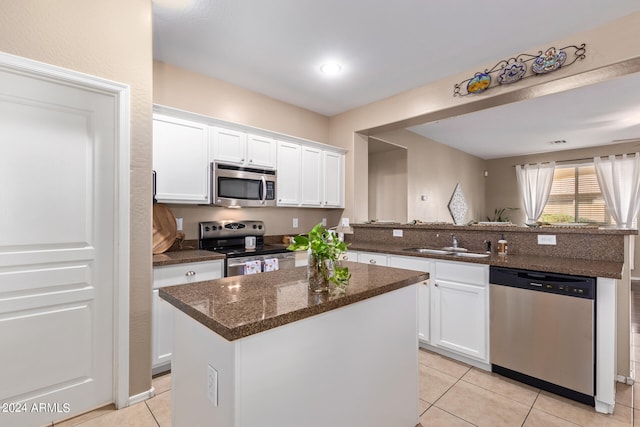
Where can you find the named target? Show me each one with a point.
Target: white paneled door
(58, 253)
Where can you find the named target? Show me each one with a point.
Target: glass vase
(317, 273)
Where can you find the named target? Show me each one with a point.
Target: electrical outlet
(345, 222)
(212, 385)
(179, 224)
(324, 222)
(546, 239)
(295, 222)
(397, 233)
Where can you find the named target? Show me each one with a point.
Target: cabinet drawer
(186, 273)
(462, 272)
(372, 258)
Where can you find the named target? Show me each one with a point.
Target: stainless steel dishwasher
(542, 330)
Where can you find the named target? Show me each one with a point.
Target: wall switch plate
(295, 222)
(397, 233)
(324, 222)
(179, 224)
(546, 239)
(345, 222)
(212, 385)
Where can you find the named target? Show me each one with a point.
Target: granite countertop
(580, 267)
(240, 306)
(188, 255)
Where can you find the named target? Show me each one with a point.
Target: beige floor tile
(87, 416)
(444, 364)
(506, 387)
(482, 407)
(538, 418)
(162, 383)
(424, 405)
(160, 407)
(433, 383)
(137, 415)
(436, 417)
(624, 394)
(580, 414)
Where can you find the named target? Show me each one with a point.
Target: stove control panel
(230, 228)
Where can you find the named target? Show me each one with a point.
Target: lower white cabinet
(424, 291)
(459, 308)
(162, 315)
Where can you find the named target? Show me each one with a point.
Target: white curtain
(535, 185)
(619, 181)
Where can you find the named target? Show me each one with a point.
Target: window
(576, 197)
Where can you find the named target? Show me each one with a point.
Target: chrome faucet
(455, 241)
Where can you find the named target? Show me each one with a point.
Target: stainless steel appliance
(237, 186)
(228, 237)
(543, 331)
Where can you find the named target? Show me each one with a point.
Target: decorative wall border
(519, 67)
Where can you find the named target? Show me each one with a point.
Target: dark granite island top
(240, 306)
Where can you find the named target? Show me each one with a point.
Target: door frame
(121, 93)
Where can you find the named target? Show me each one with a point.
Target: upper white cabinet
(180, 160)
(309, 176)
(288, 178)
(240, 148)
(333, 184)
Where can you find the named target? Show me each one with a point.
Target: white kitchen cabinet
(242, 149)
(350, 256)
(459, 308)
(424, 291)
(311, 176)
(180, 160)
(333, 183)
(162, 315)
(288, 178)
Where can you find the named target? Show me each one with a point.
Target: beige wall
(179, 88)
(110, 39)
(434, 169)
(606, 45)
(388, 185)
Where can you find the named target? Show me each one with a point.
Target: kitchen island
(260, 350)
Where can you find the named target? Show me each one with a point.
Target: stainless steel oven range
(243, 244)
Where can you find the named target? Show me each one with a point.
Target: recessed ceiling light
(330, 68)
(559, 141)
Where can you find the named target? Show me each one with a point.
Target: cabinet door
(458, 321)
(288, 185)
(261, 151)
(179, 274)
(180, 160)
(162, 330)
(350, 256)
(310, 171)
(372, 258)
(333, 171)
(228, 146)
(424, 298)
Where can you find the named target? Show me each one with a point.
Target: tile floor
(451, 394)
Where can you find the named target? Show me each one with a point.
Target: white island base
(353, 366)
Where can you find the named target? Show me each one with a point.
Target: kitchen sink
(470, 255)
(429, 251)
(455, 249)
(458, 252)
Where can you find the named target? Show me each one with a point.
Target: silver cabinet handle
(190, 273)
(435, 284)
(372, 261)
(425, 282)
(345, 257)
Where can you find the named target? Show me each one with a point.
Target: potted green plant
(323, 249)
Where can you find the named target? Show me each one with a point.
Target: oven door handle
(264, 189)
(240, 264)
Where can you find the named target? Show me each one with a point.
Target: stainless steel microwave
(238, 186)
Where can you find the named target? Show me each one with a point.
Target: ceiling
(276, 48)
